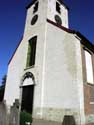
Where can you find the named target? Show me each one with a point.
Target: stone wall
(3, 114)
(57, 115)
(11, 118)
(67, 120)
(14, 114)
(89, 103)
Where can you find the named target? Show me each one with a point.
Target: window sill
(29, 67)
(91, 84)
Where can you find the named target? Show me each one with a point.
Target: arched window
(89, 67)
(58, 9)
(36, 7)
(31, 51)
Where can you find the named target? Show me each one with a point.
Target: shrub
(25, 118)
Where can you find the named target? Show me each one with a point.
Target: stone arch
(27, 94)
(28, 77)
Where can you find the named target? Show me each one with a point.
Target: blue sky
(12, 21)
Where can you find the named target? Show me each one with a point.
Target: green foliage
(2, 88)
(25, 117)
(4, 80)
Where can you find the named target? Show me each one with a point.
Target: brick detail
(89, 99)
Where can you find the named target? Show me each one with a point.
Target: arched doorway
(27, 93)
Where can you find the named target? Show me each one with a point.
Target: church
(51, 72)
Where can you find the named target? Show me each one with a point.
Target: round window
(34, 19)
(58, 20)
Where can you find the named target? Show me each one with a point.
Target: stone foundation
(55, 116)
(44, 122)
(90, 119)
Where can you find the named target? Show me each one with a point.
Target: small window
(31, 52)
(89, 67)
(36, 7)
(58, 9)
(34, 19)
(58, 20)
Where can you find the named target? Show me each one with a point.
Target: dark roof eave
(30, 4)
(85, 41)
(62, 2)
(61, 27)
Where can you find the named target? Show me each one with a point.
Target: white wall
(61, 86)
(16, 68)
(57, 69)
(52, 12)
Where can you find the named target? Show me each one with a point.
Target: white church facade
(51, 72)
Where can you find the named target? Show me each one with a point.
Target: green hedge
(2, 89)
(25, 117)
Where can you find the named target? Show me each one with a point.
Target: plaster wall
(61, 88)
(17, 66)
(15, 70)
(52, 12)
(57, 71)
(63, 81)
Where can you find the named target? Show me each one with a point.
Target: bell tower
(43, 49)
(46, 71)
(54, 10)
(58, 12)
(39, 62)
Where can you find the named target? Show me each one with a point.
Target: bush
(25, 118)
(2, 89)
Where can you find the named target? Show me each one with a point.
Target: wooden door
(27, 98)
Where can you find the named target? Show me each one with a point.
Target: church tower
(39, 72)
(45, 72)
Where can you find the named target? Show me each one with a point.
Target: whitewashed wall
(18, 62)
(57, 69)
(15, 70)
(52, 12)
(60, 86)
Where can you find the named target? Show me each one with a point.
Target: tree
(2, 88)
(4, 80)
